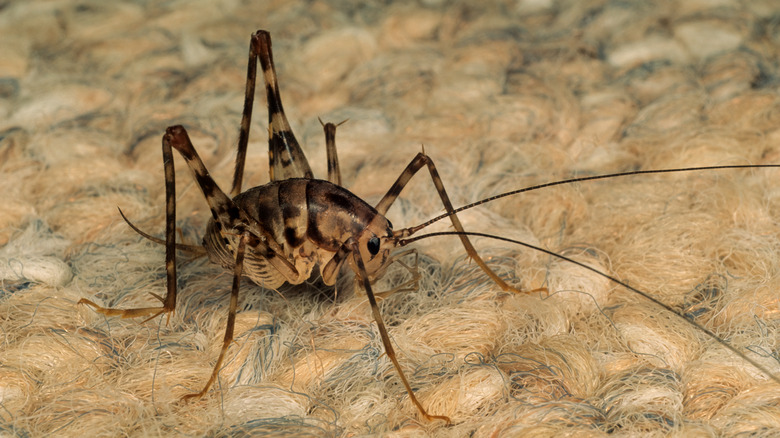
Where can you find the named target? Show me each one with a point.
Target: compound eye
(373, 245)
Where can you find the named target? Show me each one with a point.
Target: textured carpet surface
(502, 95)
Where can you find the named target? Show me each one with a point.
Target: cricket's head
(376, 242)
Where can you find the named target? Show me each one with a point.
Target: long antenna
(758, 366)
(588, 178)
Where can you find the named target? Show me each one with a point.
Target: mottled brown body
(280, 231)
(301, 215)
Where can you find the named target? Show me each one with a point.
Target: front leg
(411, 169)
(360, 272)
(231, 321)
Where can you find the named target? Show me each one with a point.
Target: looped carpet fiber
(502, 95)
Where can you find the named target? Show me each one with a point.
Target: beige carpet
(502, 95)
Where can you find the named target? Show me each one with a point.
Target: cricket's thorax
(310, 219)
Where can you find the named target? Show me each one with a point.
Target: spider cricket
(280, 231)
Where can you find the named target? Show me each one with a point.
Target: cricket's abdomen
(310, 219)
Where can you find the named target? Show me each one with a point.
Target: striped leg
(169, 302)
(230, 219)
(416, 164)
(285, 156)
(286, 159)
(231, 321)
(360, 269)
